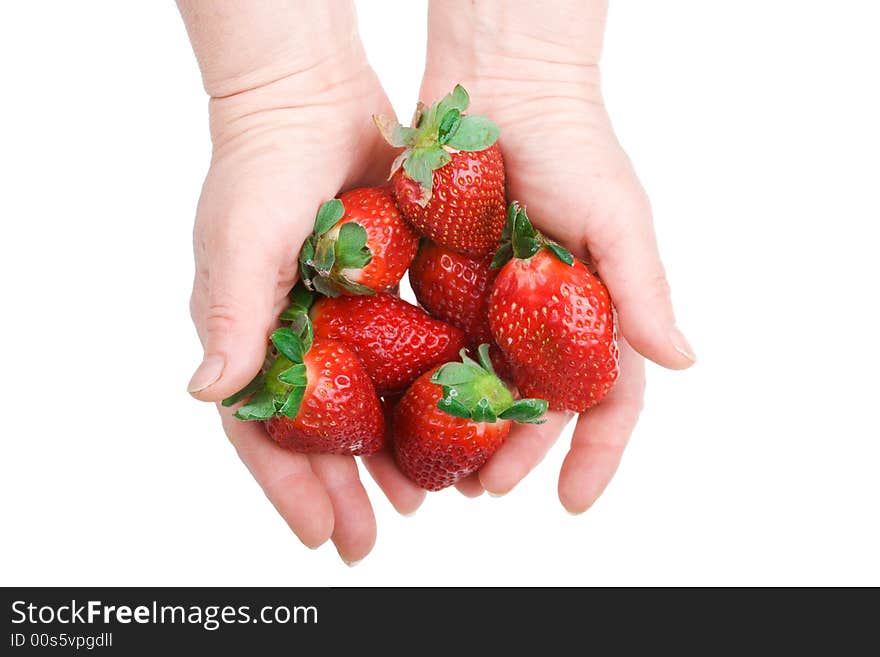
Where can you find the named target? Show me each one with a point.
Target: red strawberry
(453, 418)
(361, 245)
(396, 340)
(552, 319)
(451, 186)
(316, 398)
(455, 288)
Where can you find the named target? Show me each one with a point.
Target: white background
(754, 126)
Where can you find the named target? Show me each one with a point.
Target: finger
(403, 494)
(626, 255)
(354, 531)
(524, 448)
(470, 486)
(600, 436)
(240, 282)
(286, 478)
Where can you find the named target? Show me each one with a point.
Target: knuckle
(288, 273)
(220, 318)
(659, 285)
(278, 486)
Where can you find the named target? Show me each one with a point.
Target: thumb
(234, 307)
(629, 262)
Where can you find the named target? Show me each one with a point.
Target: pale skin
(290, 123)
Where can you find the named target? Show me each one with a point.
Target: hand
(281, 149)
(565, 164)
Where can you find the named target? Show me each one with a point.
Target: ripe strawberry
(361, 245)
(451, 186)
(552, 319)
(395, 340)
(455, 288)
(453, 418)
(316, 397)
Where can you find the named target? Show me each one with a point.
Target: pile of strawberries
(354, 368)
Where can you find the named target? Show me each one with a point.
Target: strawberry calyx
(521, 240)
(472, 390)
(279, 389)
(435, 133)
(297, 313)
(332, 251)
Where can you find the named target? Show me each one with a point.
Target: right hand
(280, 150)
(536, 74)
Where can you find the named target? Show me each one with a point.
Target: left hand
(565, 164)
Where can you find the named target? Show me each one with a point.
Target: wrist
(497, 48)
(242, 46)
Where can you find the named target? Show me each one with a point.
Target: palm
(271, 170)
(564, 163)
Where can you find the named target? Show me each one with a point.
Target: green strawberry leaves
(301, 296)
(472, 391)
(330, 255)
(351, 247)
(280, 390)
(483, 412)
(248, 391)
(394, 133)
(289, 344)
(328, 214)
(325, 256)
(420, 167)
(298, 312)
(560, 252)
(436, 131)
(295, 375)
(449, 125)
(290, 407)
(260, 407)
(473, 133)
(503, 255)
(520, 240)
(453, 407)
(525, 410)
(457, 100)
(524, 239)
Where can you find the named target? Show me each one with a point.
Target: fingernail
(491, 494)
(681, 345)
(409, 514)
(207, 373)
(351, 564)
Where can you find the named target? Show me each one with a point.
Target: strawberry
(453, 418)
(395, 340)
(360, 245)
(316, 397)
(451, 184)
(552, 319)
(455, 288)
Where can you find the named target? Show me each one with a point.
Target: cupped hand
(564, 163)
(279, 151)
